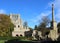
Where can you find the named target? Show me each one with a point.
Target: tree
(6, 27)
(43, 25)
(45, 21)
(35, 27)
(25, 25)
(58, 26)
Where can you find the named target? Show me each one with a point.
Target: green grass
(2, 41)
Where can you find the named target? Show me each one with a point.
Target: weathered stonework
(54, 32)
(18, 29)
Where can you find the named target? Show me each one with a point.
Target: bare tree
(43, 25)
(25, 24)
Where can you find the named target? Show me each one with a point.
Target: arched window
(17, 35)
(18, 26)
(20, 34)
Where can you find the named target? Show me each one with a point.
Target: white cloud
(56, 3)
(56, 9)
(47, 13)
(58, 14)
(35, 20)
(2, 11)
(38, 17)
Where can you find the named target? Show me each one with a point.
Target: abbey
(19, 29)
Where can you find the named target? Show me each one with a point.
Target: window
(20, 34)
(18, 26)
(14, 17)
(17, 35)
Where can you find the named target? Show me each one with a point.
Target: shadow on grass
(19, 41)
(12, 41)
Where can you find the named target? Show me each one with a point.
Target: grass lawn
(2, 41)
(25, 40)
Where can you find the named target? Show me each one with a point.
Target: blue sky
(30, 10)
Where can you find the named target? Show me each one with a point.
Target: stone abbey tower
(19, 29)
